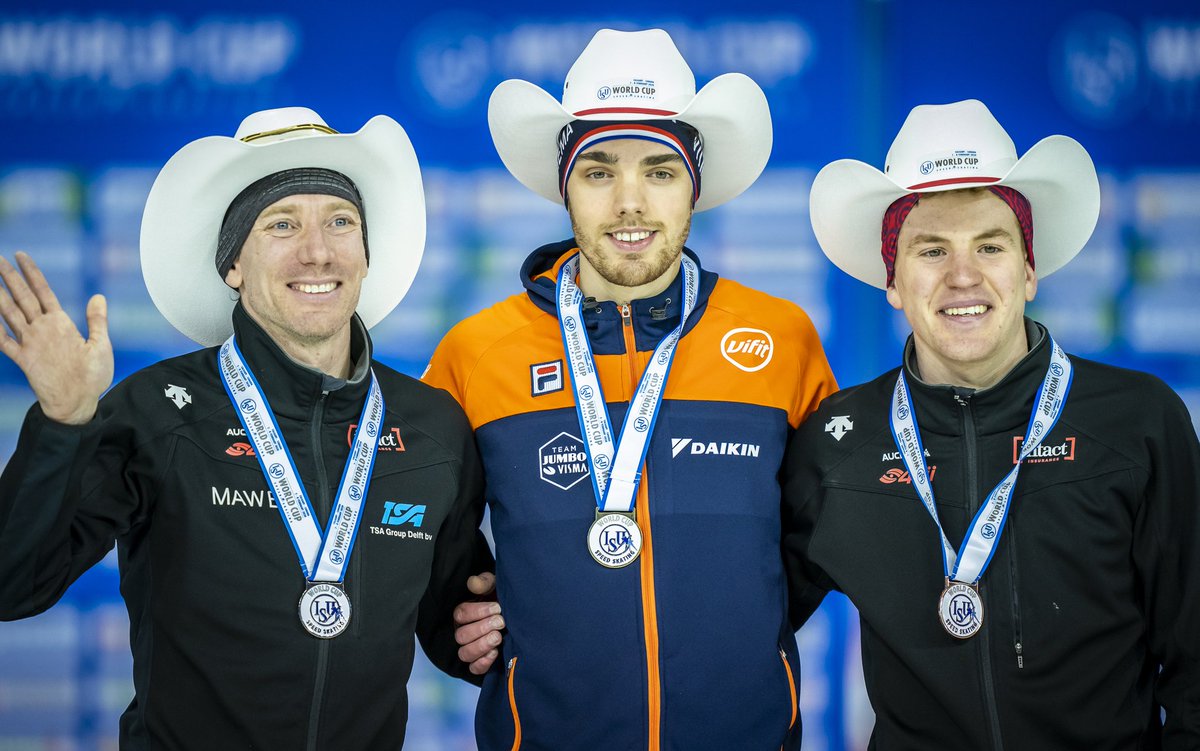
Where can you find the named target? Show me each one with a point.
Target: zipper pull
(626, 314)
(1020, 657)
(511, 662)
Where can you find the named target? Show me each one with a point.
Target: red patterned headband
(895, 215)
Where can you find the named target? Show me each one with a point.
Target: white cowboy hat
(633, 76)
(188, 201)
(951, 147)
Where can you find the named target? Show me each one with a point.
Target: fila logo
(545, 377)
(895, 474)
(398, 514)
(713, 448)
(747, 349)
(1064, 451)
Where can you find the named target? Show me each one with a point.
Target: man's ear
(893, 297)
(233, 277)
(1031, 281)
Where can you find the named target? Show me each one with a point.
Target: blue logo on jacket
(397, 514)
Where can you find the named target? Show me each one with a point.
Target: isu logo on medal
(614, 540)
(961, 610)
(324, 610)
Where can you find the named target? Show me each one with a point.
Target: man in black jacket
(1019, 529)
(287, 510)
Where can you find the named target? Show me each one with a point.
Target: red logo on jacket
(895, 474)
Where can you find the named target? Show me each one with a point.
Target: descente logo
(748, 349)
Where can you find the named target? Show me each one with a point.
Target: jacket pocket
(512, 703)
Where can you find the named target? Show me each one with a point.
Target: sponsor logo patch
(712, 448)
(402, 520)
(748, 349)
(1058, 452)
(839, 426)
(389, 440)
(562, 461)
(545, 377)
(895, 475)
(178, 395)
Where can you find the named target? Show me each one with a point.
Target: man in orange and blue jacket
(632, 410)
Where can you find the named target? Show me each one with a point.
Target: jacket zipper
(314, 715)
(512, 703)
(1018, 642)
(984, 643)
(646, 559)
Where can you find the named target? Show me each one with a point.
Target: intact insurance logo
(748, 349)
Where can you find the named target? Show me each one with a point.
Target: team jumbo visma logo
(562, 461)
(748, 349)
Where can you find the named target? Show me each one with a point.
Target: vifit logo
(748, 349)
(398, 514)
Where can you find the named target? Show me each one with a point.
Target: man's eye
(662, 174)
(933, 252)
(991, 249)
(282, 224)
(341, 221)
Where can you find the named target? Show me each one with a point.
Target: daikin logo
(748, 349)
(713, 448)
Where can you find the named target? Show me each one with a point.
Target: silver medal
(960, 609)
(324, 610)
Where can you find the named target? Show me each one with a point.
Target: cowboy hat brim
(849, 198)
(731, 114)
(189, 198)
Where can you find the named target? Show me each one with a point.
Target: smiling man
(287, 510)
(1018, 528)
(631, 411)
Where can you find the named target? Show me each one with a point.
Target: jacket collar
(294, 389)
(1004, 406)
(653, 317)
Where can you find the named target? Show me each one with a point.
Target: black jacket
(208, 572)
(1094, 586)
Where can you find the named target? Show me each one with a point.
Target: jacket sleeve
(1166, 553)
(61, 508)
(461, 551)
(800, 508)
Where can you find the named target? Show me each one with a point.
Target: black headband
(243, 211)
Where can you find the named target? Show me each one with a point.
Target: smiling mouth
(970, 310)
(631, 237)
(314, 289)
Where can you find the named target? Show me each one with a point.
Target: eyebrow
(607, 157)
(290, 208)
(996, 233)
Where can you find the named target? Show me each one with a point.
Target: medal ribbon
(616, 472)
(975, 553)
(322, 557)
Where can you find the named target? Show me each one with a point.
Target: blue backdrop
(93, 100)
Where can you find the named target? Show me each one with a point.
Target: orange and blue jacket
(689, 647)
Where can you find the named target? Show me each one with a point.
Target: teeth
(631, 237)
(314, 289)
(974, 310)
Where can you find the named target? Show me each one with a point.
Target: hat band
(954, 181)
(624, 111)
(319, 127)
